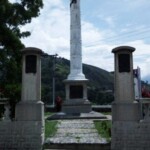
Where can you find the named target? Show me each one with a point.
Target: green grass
(50, 128)
(48, 113)
(104, 129)
(107, 113)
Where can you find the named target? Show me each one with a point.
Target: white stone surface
(130, 135)
(29, 111)
(27, 130)
(126, 112)
(124, 81)
(81, 82)
(21, 135)
(128, 131)
(76, 76)
(31, 82)
(7, 112)
(80, 131)
(146, 109)
(75, 42)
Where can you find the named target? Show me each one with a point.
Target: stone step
(77, 135)
(106, 146)
(76, 132)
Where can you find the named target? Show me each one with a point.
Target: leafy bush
(50, 128)
(104, 129)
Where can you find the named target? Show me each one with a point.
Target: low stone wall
(78, 146)
(97, 108)
(21, 135)
(130, 135)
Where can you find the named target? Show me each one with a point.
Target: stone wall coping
(31, 50)
(123, 48)
(144, 100)
(76, 81)
(4, 100)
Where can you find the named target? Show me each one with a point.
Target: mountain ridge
(100, 80)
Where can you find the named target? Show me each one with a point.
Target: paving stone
(76, 131)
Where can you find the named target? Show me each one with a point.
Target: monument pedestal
(76, 97)
(76, 108)
(30, 111)
(76, 84)
(126, 111)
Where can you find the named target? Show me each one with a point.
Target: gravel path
(76, 131)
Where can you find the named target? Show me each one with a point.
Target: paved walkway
(77, 132)
(90, 115)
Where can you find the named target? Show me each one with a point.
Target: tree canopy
(13, 15)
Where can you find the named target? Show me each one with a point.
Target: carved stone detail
(73, 1)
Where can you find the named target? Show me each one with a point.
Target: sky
(105, 24)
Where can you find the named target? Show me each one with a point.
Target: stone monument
(125, 107)
(31, 106)
(76, 84)
(30, 110)
(130, 131)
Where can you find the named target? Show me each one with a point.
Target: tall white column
(76, 83)
(75, 42)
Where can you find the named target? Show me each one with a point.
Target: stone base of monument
(76, 97)
(124, 111)
(90, 115)
(76, 107)
(30, 111)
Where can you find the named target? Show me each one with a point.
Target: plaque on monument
(31, 63)
(76, 91)
(124, 62)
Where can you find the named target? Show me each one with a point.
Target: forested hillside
(99, 87)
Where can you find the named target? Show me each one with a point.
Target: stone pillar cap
(31, 50)
(123, 48)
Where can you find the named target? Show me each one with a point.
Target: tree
(12, 17)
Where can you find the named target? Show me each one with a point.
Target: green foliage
(61, 72)
(103, 128)
(50, 128)
(107, 113)
(100, 81)
(48, 114)
(12, 17)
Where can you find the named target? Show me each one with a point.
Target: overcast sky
(106, 24)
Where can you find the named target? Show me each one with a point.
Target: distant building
(137, 82)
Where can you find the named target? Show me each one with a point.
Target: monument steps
(79, 147)
(90, 115)
(77, 134)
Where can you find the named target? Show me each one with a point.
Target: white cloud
(99, 56)
(110, 20)
(137, 4)
(90, 33)
(141, 56)
(51, 33)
